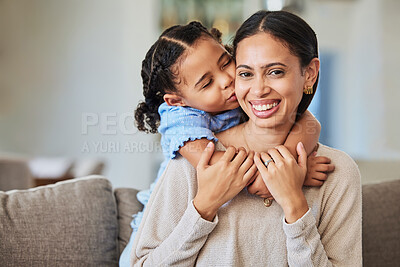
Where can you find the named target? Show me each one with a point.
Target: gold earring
(308, 90)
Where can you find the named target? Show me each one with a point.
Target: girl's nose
(226, 80)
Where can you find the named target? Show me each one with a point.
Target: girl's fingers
(322, 160)
(206, 156)
(229, 154)
(315, 182)
(324, 167)
(320, 176)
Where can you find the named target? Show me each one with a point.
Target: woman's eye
(245, 74)
(276, 72)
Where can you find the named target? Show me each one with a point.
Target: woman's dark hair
(293, 31)
(159, 74)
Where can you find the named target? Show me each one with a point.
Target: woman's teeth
(265, 107)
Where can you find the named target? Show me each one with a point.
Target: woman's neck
(252, 137)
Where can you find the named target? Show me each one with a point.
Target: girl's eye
(207, 84)
(245, 74)
(227, 63)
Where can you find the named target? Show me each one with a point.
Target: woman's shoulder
(345, 166)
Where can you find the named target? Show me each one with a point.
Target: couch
(85, 222)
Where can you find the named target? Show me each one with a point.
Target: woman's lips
(264, 108)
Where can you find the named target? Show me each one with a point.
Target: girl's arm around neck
(192, 151)
(305, 130)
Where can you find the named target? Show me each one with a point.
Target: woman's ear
(174, 100)
(311, 72)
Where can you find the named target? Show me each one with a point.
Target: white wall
(62, 60)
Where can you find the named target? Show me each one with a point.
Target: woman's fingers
(240, 157)
(206, 156)
(247, 163)
(285, 152)
(260, 164)
(302, 159)
(229, 154)
(249, 175)
(274, 154)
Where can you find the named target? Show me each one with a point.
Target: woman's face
(207, 77)
(269, 81)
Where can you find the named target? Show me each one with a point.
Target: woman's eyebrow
(263, 67)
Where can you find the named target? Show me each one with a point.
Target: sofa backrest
(72, 223)
(381, 224)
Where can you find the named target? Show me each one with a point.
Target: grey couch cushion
(381, 224)
(71, 223)
(127, 205)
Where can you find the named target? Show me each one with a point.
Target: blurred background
(70, 81)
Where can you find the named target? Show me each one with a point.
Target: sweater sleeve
(172, 231)
(334, 240)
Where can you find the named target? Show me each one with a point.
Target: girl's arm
(305, 130)
(192, 151)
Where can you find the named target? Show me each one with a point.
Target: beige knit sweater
(245, 232)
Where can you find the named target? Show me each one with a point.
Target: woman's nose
(260, 87)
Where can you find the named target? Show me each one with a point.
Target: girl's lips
(232, 98)
(263, 114)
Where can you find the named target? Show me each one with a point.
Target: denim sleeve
(181, 124)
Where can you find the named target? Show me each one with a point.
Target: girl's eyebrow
(208, 73)
(263, 67)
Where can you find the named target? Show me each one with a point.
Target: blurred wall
(70, 79)
(69, 76)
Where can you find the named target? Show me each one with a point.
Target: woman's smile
(264, 108)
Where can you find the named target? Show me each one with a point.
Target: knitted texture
(245, 232)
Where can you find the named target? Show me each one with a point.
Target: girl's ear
(311, 72)
(174, 100)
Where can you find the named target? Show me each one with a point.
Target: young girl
(188, 114)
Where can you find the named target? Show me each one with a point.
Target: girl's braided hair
(159, 74)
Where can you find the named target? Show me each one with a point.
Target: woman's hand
(222, 181)
(284, 178)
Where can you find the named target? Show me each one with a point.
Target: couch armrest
(127, 206)
(381, 224)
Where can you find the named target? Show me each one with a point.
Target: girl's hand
(317, 170)
(257, 187)
(284, 177)
(222, 181)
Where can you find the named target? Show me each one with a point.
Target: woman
(207, 219)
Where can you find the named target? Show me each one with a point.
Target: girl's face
(269, 80)
(207, 78)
